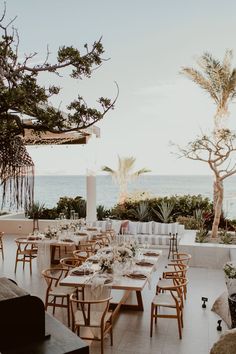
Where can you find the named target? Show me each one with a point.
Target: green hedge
(183, 206)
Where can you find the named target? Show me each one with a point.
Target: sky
(147, 43)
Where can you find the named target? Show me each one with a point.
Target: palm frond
(200, 80)
(140, 172)
(107, 169)
(217, 78)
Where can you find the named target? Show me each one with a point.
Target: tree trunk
(215, 194)
(219, 194)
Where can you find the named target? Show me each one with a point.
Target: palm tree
(124, 174)
(218, 79)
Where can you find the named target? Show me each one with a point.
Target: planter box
(207, 255)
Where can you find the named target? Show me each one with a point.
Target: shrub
(35, 210)
(189, 222)
(66, 204)
(183, 206)
(102, 212)
(49, 214)
(225, 237)
(201, 236)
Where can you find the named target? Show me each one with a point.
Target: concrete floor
(131, 330)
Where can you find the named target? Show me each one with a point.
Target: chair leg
(54, 305)
(155, 314)
(151, 324)
(68, 309)
(2, 250)
(30, 260)
(179, 323)
(102, 346)
(111, 336)
(15, 265)
(181, 317)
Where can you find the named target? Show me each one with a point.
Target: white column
(91, 212)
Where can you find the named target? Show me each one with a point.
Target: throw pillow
(133, 227)
(221, 308)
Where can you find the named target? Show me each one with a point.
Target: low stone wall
(207, 255)
(23, 226)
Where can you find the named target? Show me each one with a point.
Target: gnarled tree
(217, 150)
(25, 105)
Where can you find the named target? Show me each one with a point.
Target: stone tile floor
(131, 330)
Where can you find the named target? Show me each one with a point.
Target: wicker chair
(93, 314)
(25, 252)
(56, 292)
(171, 297)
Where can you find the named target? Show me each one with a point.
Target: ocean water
(48, 189)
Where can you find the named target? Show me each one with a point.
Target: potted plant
(230, 277)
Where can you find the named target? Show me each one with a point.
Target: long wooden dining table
(125, 283)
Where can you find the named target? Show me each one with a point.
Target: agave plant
(35, 210)
(141, 212)
(165, 211)
(199, 217)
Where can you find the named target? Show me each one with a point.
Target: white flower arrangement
(106, 261)
(230, 270)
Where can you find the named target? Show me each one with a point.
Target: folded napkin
(81, 271)
(144, 264)
(151, 254)
(66, 240)
(34, 238)
(136, 275)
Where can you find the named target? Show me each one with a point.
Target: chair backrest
(93, 311)
(183, 258)
(70, 262)
(81, 255)
(177, 289)
(23, 245)
(179, 270)
(52, 276)
(87, 247)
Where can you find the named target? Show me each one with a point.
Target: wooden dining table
(125, 283)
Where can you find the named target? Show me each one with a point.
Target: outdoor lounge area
(131, 328)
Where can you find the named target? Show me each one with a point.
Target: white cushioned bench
(151, 232)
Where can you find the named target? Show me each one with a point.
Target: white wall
(23, 226)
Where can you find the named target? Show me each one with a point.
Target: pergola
(71, 138)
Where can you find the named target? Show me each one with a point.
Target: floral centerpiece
(106, 262)
(230, 277)
(119, 254)
(50, 233)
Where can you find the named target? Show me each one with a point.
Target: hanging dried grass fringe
(16, 172)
